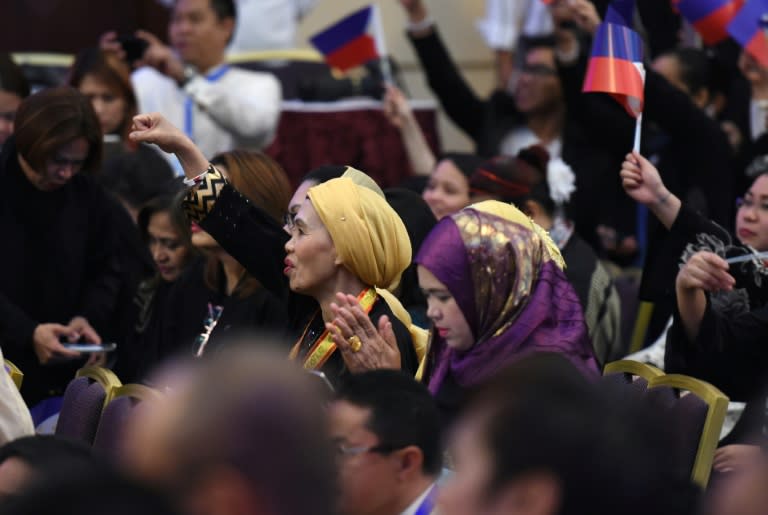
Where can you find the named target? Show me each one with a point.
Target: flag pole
(638, 124)
(639, 119)
(381, 45)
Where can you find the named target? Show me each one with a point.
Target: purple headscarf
(506, 277)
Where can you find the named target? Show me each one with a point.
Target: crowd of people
(339, 348)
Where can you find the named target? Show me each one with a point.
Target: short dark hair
(224, 9)
(324, 173)
(41, 451)
(695, 69)
(137, 177)
(12, 79)
(88, 489)
(402, 412)
(54, 117)
(266, 421)
(528, 43)
(542, 415)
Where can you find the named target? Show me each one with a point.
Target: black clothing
(489, 121)
(730, 350)
(335, 368)
(140, 351)
(59, 261)
(257, 241)
(186, 309)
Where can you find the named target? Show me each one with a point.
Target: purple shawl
(507, 281)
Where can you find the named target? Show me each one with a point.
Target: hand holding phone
(134, 47)
(90, 347)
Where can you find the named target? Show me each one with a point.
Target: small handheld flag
(616, 66)
(710, 18)
(749, 29)
(347, 43)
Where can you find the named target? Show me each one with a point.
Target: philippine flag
(616, 66)
(748, 28)
(710, 18)
(347, 43)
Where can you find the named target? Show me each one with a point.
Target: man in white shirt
(220, 107)
(387, 431)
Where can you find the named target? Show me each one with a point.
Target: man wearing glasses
(386, 430)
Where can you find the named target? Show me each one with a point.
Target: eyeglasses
(61, 162)
(342, 451)
(538, 70)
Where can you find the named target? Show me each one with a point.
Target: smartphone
(91, 347)
(133, 47)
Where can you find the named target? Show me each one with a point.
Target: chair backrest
(83, 402)
(16, 375)
(632, 369)
(699, 411)
(126, 398)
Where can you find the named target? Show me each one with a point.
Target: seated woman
(490, 276)
(217, 296)
(168, 241)
(721, 320)
(346, 243)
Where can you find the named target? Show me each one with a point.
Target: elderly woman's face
(311, 259)
(442, 309)
(752, 216)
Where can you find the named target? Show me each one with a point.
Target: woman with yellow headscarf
(346, 253)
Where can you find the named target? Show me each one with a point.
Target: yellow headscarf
(513, 214)
(370, 238)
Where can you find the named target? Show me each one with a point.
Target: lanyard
(189, 105)
(428, 504)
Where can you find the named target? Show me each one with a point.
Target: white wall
(456, 20)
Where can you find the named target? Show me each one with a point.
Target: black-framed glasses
(343, 451)
(538, 70)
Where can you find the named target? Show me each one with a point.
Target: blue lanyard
(189, 104)
(428, 504)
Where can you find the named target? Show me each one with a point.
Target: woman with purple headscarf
(496, 292)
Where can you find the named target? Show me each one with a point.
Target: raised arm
(642, 182)
(242, 228)
(398, 111)
(458, 99)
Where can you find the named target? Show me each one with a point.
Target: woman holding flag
(721, 316)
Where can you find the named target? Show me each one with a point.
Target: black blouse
(257, 242)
